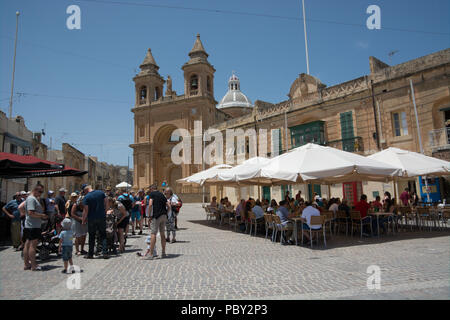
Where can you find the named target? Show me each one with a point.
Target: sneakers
(163, 255)
(88, 256)
(140, 232)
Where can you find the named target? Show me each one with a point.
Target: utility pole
(286, 130)
(306, 38)
(14, 66)
(413, 95)
(128, 172)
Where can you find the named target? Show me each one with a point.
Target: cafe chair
(318, 220)
(268, 221)
(341, 220)
(280, 228)
(254, 222)
(357, 222)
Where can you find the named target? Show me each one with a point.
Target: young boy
(66, 244)
(155, 254)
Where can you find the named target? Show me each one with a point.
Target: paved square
(211, 262)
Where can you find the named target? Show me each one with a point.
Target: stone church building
(363, 115)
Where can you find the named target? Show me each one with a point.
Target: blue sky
(78, 83)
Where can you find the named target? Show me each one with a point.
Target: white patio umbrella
(413, 164)
(319, 164)
(199, 178)
(123, 185)
(240, 173)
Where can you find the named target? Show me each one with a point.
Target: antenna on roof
(390, 54)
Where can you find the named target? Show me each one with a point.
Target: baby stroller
(49, 240)
(111, 233)
(48, 244)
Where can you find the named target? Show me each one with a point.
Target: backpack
(178, 206)
(126, 201)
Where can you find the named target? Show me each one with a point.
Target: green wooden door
(266, 193)
(347, 133)
(314, 188)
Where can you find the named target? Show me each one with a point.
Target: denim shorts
(135, 215)
(67, 253)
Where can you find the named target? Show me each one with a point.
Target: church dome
(234, 97)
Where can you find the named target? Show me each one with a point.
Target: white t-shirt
(307, 213)
(334, 207)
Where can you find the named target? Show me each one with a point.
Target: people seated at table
(324, 204)
(377, 205)
(283, 213)
(240, 209)
(363, 207)
(292, 206)
(247, 208)
(333, 205)
(343, 206)
(272, 207)
(391, 208)
(258, 210)
(265, 204)
(387, 196)
(309, 211)
(213, 205)
(229, 208)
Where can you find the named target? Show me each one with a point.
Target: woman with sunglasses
(32, 230)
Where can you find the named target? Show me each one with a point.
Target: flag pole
(14, 66)
(306, 37)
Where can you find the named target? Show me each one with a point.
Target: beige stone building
(363, 115)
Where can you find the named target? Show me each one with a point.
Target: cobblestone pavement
(211, 262)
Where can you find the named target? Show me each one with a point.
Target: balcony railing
(440, 138)
(354, 144)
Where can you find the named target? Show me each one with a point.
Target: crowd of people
(103, 216)
(289, 207)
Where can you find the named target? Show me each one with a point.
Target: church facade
(363, 115)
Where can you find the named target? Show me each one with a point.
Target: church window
(208, 84)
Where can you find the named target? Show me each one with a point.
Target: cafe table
(295, 220)
(378, 214)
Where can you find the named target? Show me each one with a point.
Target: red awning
(16, 166)
(13, 161)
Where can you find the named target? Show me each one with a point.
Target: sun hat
(62, 190)
(73, 194)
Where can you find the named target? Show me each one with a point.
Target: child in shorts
(155, 254)
(66, 244)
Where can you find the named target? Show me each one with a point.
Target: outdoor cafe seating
(316, 164)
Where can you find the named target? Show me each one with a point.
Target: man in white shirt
(307, 213)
